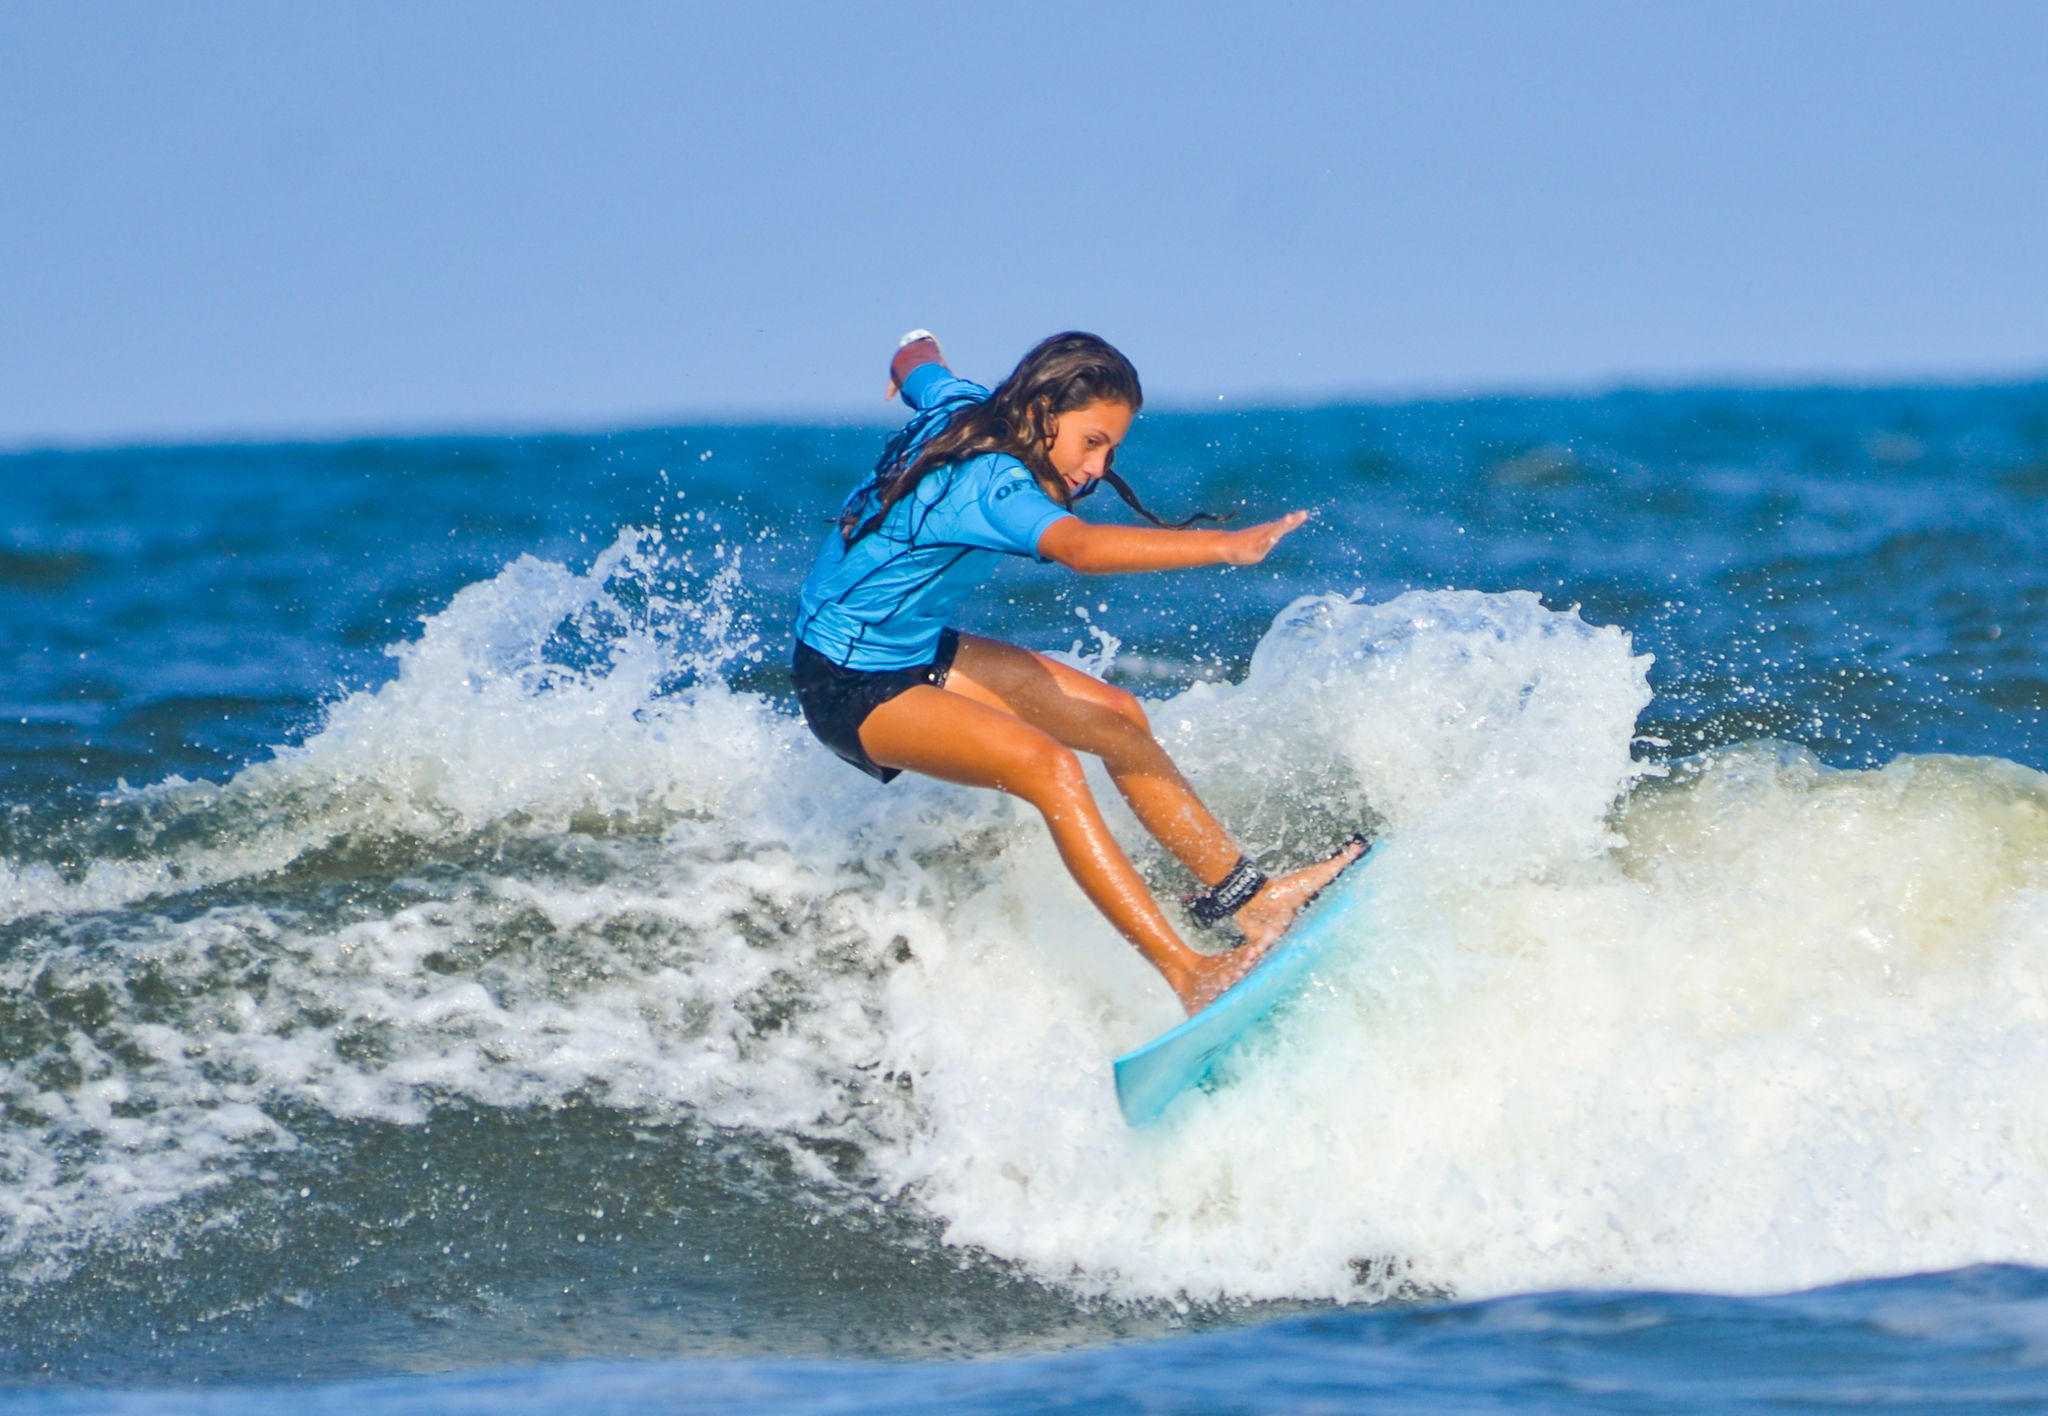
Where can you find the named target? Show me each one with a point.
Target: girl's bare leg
(1012, 720)
(1091, 716)
(951, 737)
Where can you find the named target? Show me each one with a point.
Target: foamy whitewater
(1755, 1025)
(1623, 1012)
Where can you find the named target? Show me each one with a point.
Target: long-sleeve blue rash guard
(882, 603)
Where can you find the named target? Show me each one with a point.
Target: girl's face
(1083, 439)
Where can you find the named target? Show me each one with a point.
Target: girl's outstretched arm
(1111, 550)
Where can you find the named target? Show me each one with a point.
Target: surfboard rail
(1148, 1078)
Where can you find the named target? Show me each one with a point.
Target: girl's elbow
(1062, 546)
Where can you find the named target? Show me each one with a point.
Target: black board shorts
(837, 700)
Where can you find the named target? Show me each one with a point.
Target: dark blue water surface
(1967, 1341)
(1858, 573)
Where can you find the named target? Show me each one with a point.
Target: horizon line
(314, 432)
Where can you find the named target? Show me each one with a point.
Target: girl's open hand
(1250, 546)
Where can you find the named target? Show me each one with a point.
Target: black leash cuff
(1228, 895)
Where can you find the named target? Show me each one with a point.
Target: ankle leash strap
(1228, 895)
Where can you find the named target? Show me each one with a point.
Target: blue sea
(439, 973)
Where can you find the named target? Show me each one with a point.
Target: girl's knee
(1126, 735)
(1119, 706)
(1126, 706)
(1051, 771)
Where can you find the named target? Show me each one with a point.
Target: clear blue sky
(246, 220)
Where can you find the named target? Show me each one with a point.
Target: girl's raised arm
(918, 348)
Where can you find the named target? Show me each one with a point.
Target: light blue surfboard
(1150, 1077)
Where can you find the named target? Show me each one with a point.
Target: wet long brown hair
(1063, 373)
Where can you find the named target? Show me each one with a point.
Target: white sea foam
(1753, 1026)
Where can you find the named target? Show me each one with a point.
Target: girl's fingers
(1258, 540)
(1272, 531)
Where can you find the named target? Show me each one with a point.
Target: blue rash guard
(883, 603)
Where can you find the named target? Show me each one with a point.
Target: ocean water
(439, 971)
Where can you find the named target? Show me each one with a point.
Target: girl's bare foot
(1266, 918)
(1207, 980)
(1263, 921)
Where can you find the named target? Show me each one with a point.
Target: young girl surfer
(888, 686)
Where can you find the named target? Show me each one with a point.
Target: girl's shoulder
(991, 466)
(971, 475)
